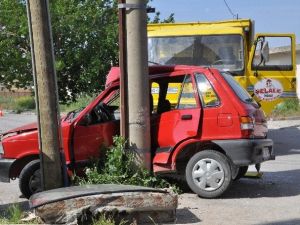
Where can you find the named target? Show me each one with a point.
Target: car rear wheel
(30, 179)
(208, 173)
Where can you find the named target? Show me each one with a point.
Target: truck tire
(241, 172)
(208, 173)
(30, 179)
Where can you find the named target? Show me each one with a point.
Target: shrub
(24, 104)
(79, 103)
(14, 215)
(289, 107)
(119, 168)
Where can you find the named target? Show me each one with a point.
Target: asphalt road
(273, 199)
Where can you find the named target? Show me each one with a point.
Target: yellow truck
(253, 59)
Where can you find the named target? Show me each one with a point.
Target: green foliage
(157, 19)
(85, 39)
(17, 104)
(6, 102)
(120, 168)
(24, 104)
(290, 107)
(80, 102)
(85, 36)
(107, 220)
(14, 214)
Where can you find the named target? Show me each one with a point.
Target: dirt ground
(273, 199)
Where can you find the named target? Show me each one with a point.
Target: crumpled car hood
(22, 129)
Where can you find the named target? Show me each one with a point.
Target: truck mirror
(261, 51)
(264, 51)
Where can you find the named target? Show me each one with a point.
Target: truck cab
(208, 136)
(231, 46)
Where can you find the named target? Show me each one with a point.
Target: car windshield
(238, 89)
(224, 52)
(73, 114)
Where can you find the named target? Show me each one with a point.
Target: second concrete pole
(138, 82)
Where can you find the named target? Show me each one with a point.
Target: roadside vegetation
(81, 102)
(14, 215)
(288, 108)
(27, 103)
(17, 104)
(119, 167)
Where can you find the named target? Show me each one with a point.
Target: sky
(271, 16)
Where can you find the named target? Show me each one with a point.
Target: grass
(81, 102)
(17, 104)
(27, 103)
(288, 108)
(14, 215)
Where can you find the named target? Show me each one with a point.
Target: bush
(289, 107)
(14, 215)
(79, 103)
(119, 168)
(24, 104)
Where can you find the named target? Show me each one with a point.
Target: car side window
(172, 93)
(106, 110)
(187, 98)
(207, 94)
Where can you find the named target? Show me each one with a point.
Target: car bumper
(244, 152)
(5, 165)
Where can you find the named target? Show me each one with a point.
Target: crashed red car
(209, 136)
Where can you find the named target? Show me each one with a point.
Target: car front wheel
(208, 173)
(30, 179)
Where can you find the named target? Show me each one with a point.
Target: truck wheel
(30, 179)
(241, 172)
(208, 174)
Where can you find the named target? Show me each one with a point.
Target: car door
(176, 116)
(272, 69)
(89, 139)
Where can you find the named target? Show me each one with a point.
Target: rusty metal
(131, 203)
(123, 70)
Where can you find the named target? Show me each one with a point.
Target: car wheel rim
(35, 182)
(208, 174)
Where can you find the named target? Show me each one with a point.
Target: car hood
(22, 129)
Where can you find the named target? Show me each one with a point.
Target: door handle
(186, 117)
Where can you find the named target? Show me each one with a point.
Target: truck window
(225, 52)
(207, 94)
(269, 56)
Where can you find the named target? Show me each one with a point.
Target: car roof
(114, 73)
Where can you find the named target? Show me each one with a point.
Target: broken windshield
(224, 52)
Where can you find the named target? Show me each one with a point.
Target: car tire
(205, 180)
(30, 179)
(242, 170)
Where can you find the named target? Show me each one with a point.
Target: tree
(85, 34)
(85, 38)
(157, 19)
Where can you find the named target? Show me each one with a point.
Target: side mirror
(264, 51)
(86, 120)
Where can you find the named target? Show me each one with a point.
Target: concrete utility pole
(46, 93)
(138, 81)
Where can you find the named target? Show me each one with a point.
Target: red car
(208, 135)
